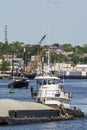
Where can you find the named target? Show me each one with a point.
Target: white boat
(51, 91)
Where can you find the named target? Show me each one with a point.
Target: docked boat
(50, 91)
(18, 82)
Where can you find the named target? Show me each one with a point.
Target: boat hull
(18, 84)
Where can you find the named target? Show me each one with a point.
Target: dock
(22, 112)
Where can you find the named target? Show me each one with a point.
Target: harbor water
(78, 87)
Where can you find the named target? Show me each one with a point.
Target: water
(79, 99)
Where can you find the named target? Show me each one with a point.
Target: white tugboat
(51, 91)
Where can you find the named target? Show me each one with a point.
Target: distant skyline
(62, 21)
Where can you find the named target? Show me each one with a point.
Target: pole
(24, 60)
(12, 63)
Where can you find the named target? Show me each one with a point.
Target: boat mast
(24, 60)
(48, 61)
(12, 64)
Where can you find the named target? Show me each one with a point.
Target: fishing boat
(18, 82)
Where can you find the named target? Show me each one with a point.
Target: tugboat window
(49, 82)
(39, 82)
(44, 82)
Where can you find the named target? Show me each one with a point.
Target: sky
(62, 21)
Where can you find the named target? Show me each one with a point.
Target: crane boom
(42, 39)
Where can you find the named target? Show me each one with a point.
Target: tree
(56, 44)
(75, 59)
(68, 47)
(5, 66)
(58, 58)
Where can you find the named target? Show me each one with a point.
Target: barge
(20, 112)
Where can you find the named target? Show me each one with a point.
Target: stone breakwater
(18, 112)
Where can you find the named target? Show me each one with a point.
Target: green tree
(5, 66)
(56, 44)
(58, 58)
(75, 59)
(68, 47)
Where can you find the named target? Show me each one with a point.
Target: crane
(34, 63)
